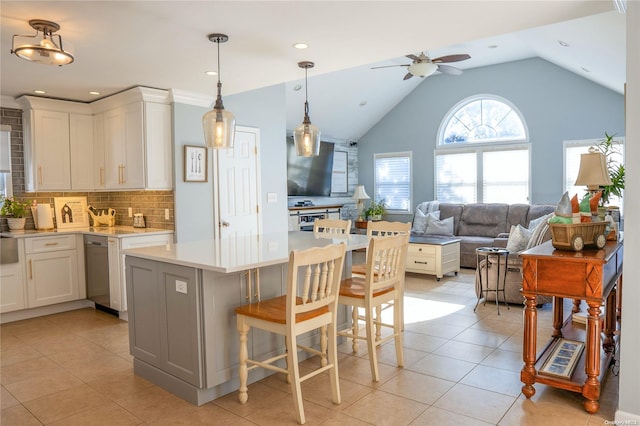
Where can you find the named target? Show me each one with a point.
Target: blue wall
(262, 108)
(557, 105)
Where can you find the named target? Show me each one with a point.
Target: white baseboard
(45, 310)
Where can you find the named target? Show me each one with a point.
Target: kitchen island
(182, 299)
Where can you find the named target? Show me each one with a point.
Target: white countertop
(115, 231)
(241, 253)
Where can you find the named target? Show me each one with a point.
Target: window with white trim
(483, 153)
(392, 181)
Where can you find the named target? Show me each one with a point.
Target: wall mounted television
(309, 176)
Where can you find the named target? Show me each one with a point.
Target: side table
(486, 253)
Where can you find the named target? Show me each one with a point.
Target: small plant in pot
(609, 148)
(15, 212)
(375, 210)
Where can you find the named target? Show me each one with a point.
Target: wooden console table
(591, 275)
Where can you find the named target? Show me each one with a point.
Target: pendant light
(46, 50)
(306, 136)
(219, 124)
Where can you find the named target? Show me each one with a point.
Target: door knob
(225, 224)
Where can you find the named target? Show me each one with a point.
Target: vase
(16, 223)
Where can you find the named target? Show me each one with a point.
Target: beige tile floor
(461, 368)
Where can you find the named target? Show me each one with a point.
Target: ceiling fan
(424, 66)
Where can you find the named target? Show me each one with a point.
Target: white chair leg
(294, 373)
(333, 359)
(398, 332)
(378, 322)
(371, 347)
(354, 327)
(323, 345)
(243, 328)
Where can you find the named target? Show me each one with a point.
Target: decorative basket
(574, 237)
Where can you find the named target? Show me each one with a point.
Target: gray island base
(182, 299)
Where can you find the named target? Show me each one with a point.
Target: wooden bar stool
(310, 303)
(381, 285)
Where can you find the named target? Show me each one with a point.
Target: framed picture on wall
(195, 163)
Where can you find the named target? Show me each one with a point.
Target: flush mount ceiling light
(306, 136)
(219, 124)
(43, 49)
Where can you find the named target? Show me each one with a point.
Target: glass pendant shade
(219, 125)
(44, 47)
(423, 69)
(307, 140)
(306, 136)
(219, 128)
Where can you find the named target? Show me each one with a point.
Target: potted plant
(608, 148)
(15, 211)
(375, 210)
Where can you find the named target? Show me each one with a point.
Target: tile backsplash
(151, 204)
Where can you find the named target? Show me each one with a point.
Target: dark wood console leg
(528, 373)
(591, 388)
(558, 313)
(576, 305)
(610, 323)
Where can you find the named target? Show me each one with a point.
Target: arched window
(484, 119)
(483, 153)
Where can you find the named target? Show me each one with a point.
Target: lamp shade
(593, 170)
(219, 128)
(307, 140)
(423, 69)
(360, 193)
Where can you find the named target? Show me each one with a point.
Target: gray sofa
(488, 225)
(484, 225)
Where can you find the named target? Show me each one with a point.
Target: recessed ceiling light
(39, 92)
(563, 43)
(493, 46)
(211, 72)
(300, 45)
(585, 69)
(93, 92)
(297, 87)
(363, 103)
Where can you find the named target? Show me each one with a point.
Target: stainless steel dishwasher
(96, 255)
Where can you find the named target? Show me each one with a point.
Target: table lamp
(593, 170)
(360, 195)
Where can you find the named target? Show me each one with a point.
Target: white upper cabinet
(122, 142)
(133, 141)
(58, 139)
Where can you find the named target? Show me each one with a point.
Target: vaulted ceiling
(164, 44)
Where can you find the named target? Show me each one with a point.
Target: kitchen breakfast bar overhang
(182, 299)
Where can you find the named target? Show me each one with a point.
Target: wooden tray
(574, 237)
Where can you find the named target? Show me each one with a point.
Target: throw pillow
(537, 221)
(537, 233)
(420, 220)
(518, 238)
(439, 227)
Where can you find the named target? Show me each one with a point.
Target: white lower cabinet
(117, 273)
(53, 270)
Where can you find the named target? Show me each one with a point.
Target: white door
(237, 185)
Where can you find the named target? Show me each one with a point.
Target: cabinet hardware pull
(422, 263)
(39, 175)
(101, 176)
(124, 174)
(51, 244)
(30, 270)
(247, 275)
(257, 295)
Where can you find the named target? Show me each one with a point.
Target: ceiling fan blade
(389, 66)
(448, 69)
(452, 58)
(408, 76)
(412, 57)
